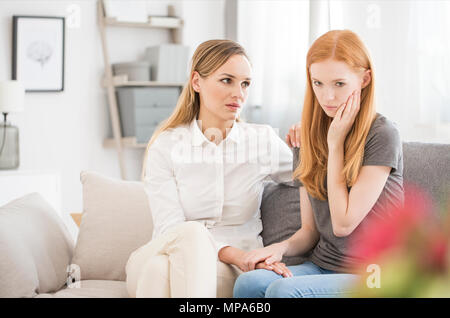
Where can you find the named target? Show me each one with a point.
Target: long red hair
(344, 46)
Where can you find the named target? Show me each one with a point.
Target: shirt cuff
(220, 245)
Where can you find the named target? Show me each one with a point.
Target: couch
(39, 258)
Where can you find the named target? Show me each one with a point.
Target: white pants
(181, 263)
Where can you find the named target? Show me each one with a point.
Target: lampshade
(12, 95)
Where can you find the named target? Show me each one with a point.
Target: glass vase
(9, 147)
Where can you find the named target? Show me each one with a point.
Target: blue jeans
(309, 280)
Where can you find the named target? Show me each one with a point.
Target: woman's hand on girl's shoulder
(293, 137)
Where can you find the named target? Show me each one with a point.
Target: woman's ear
(367, 78)
(195, 81)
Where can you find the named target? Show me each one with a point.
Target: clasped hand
(266, 258)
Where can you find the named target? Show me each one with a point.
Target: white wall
(64, 131)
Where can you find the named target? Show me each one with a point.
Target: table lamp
(12, 94)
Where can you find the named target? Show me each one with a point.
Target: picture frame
(38, 52)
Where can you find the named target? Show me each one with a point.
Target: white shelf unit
(110, 82)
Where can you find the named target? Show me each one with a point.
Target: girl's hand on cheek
(343, 120)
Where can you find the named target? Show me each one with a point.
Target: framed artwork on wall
(38, 53)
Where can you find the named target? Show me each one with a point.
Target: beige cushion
(35, 248)
(92, 289)
(116, 221)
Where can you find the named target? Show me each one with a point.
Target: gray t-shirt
(383, 148)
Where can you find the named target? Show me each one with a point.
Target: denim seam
(325, 293)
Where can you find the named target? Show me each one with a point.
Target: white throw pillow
(35, 248)
(116, 221)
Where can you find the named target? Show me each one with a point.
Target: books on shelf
(137, 12)
(126, 11)
(163, 21)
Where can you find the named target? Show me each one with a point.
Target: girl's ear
(367, 78)
(195, 81)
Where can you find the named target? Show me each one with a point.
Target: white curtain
(276, 37)
(409, 42)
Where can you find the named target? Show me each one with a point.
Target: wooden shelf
(151, 83)
(153, 22)
(110, 82)
(127, 142)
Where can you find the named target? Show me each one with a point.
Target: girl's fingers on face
(349, 107)
(357, 103)
(359, 99)
(356, 98)
(352, 105)
(349, 98)
(340, 110)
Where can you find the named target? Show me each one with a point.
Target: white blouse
(189, 178)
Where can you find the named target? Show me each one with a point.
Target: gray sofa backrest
(426, 165)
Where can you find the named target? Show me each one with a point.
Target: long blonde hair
(207, 58)
(344, 46)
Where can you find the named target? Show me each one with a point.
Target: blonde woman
(204, 174)
(350, 171)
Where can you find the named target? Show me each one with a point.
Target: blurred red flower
(411, 246)
(381, 235)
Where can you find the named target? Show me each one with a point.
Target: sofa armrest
(36, 248)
